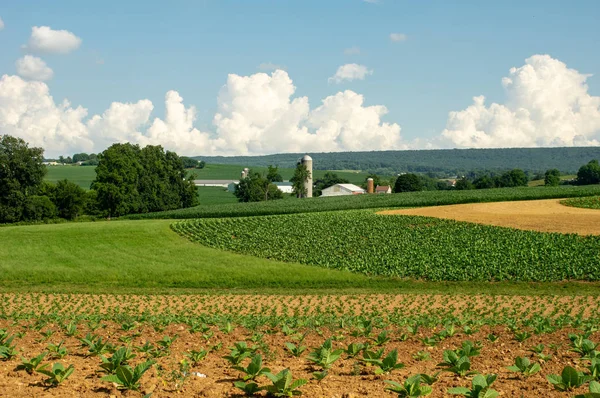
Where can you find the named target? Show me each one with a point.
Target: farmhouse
(383, 189)
(343, 189)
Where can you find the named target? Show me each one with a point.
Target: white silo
(308, 183)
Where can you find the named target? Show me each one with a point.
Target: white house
(343, 189)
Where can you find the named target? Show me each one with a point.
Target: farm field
(80, 175)
(179, 337)
(536, 215)
(588, 203)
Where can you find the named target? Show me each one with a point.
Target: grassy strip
(409, 199)
(592, 202)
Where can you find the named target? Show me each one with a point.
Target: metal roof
(214, 181)
(351, 187)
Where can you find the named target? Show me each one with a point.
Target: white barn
(343, 189)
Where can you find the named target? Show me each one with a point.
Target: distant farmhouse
(383, 189)
(343, 189)
(213, 183)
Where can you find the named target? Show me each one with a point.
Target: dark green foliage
(298, 180)
(328, 180)
(446, 161)
(273, 174)
(408, 183)
(256, 188)
(133, 180)
(69, 199)
(405, 246)
(508, 179)
(80, 157)
(589, 173)
(552, 178)
(21, 174)
(568, 379)
(592, 202)
(38, 208)
(463, 183)
(190, 163)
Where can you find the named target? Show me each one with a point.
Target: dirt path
(537, 215)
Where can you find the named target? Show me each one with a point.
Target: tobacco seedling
(196, 356)
(525, 367)
(57, 375)
(354, 349)
(480, 388)
(119, 358)
(388, 364)
(127, 378)
(594, 391)
(422, 356)
(411, 388)
(325, 355)
(295, 350)
(568, 379)
(249, 388)
(455, 364)
(33, 364)
(254, 368)
(283, 384)
(57, 350)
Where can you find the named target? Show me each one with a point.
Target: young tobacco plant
(325, 355)
(594, 391)
(455, 364)
(283, 384)
(411, 388)
(127, 378)
(57, 375)
(568, 379)
(480, 388)
(33, 364)
(254, 368)
(524, 366)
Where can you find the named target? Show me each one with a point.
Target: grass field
(215, 196)
(80, 175)
(539, 183)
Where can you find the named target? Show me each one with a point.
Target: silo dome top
(306, 157)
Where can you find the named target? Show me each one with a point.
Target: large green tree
(408, 183)
(256, 188)
(552, 178)
(589, 173)
(69, 199)
(273, 174)
(298, 180)
(133, 180)
(21, 174)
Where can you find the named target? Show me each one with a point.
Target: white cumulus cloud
(46, 40)
(350, 72)
(548, 104)
(256, 114)
(27, 110)
(397, 37)
(33, 68)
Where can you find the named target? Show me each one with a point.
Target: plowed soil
(347, 377)
(535, 215)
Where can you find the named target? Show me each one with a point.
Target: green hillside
(80, 175)
(448, 161)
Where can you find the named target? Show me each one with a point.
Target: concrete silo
(308, 183)
(370, 188)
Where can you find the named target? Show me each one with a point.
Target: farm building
(343, 189)
(383, 189)
(285, 187)
(213, 183)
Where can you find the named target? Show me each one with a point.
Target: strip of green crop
(353, 202)
(592, 202)
(404, 246)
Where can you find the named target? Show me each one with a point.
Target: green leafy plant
(57, 375)
(249, 388)
(196, 356)
(283, 384)
(411, 388)
(524, 366)
(568, 379)
(325, 355)
(295, 350)
(422, 356)
(480, 388)
(388, 364)
(455, 364)
(468, 349)
(354, 349)
(57, 350)
(127, 378)
(594, 391)
(119, 358)
(254, 368)
(33, 364)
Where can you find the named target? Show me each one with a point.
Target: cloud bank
(548, 104)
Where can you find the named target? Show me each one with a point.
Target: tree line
(129, 179)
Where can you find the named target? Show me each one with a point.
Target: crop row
(404, 246)
(408, 199)
(591, 202)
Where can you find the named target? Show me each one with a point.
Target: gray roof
(214, 181)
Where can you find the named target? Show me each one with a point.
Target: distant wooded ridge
(449, 161)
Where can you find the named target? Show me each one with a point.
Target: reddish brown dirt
(344, 379)
(535, 215)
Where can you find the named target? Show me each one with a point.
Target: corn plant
(31, 365)
(411, 388)
(325, 355)
(57, 375)
(480, 388)
(254, 368)
(283, 384)
(569, 379)
(127, 378)
(524, 366)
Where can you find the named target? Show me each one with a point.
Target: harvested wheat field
(547, 215)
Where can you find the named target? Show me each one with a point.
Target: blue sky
(453, 51)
